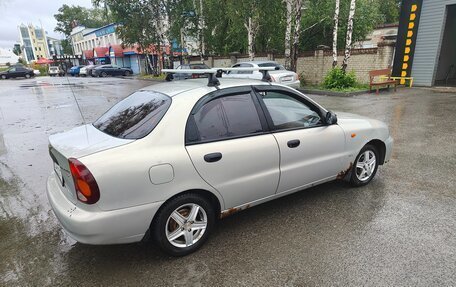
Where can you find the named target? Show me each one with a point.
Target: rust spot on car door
(232, 211)
(343, 173)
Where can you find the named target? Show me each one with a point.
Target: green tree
(141, 22)
(70, 16)
(17, 49)
(66, 45)
(389, 10)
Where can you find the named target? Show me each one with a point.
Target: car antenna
(79, 107)
(76, 100)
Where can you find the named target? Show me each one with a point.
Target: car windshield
(271, 64)
(135, 116)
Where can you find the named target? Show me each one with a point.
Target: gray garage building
(426, 46)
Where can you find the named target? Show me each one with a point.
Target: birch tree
(297, 33)
(289, 20)
(336, 26)
(252, 27)
(348, 39)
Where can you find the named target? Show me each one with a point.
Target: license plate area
(287, 79)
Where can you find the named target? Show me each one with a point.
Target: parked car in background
(87, 70)
(111, 70)
(17, 72)
(55, 71)
(280, 76)
(183, 76)
(170, 159)
(74, 71)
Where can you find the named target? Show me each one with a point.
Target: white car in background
(169, 160)
(280, 75)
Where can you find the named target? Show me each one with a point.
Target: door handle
(213, 157)
(293, 143)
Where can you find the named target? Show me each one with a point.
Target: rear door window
(135, 116)
(225, 117)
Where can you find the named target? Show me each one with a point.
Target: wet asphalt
(398, 230)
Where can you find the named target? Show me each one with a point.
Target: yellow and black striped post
(406, 38)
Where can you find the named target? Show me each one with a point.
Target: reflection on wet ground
(399, 230)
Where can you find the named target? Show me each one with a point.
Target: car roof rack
(215, 73)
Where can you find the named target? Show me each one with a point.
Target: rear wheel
(27, 76)
(4, 77)
(104, 75)
(127, 73)
(365, 167)
(183, 224)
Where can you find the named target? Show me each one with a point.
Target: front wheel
(183, 224)
(365, 167)
(4, 77)
(27, 76)
(104, 75)
(127, 73)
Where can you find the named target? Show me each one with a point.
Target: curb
(332, 93)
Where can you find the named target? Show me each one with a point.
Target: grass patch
(356, 88)
(153, 77)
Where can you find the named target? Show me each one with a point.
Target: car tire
(28, 76)
(4, 77)
(104, 75)
(199, 223)
(365, 166)
(127, 73)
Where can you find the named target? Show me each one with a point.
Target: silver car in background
(280, 76)
(169, 160)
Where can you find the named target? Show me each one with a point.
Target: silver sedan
(280, 75)
(169, 160)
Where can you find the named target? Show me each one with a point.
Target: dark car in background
(74, 71)
(111, 70)
(184, 76)
(17, 72)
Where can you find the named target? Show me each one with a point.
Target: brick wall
(315, 65)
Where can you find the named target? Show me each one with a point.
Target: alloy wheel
(365, 166)
(186, 225)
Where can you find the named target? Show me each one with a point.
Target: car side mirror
(331, 118)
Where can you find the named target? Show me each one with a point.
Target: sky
(15, 12)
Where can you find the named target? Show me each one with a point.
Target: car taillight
(272, 79)
(86, 187)
(298, 77)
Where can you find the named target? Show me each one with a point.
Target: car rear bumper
(100, 227)
(295, 84)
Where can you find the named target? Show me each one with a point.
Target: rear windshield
(135, 116)
(194, 67)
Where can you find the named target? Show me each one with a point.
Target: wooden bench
(383, 79)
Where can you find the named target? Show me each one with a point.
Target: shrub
(302, 80)
(42, 68)
(338, 79)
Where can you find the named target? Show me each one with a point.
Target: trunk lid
(284, 77)
(77, 142)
